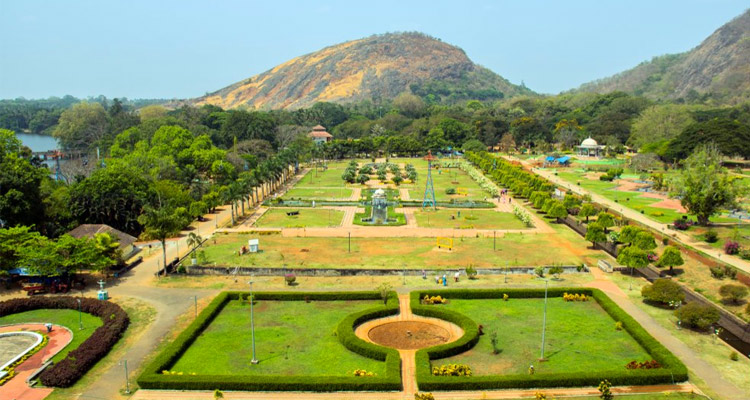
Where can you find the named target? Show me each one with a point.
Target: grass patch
(66, 318)
(323, 193)
(307, 218)
(292, 338)
(580, 337)
(466, 219)
(513, 249)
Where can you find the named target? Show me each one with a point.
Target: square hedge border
(151, 378)
(673, 370)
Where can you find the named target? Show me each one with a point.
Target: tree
(107, 244)
(733, 293)
(397, 179)
(663, 291)
(507, 143)
(194, 240)
(160, 223)
(633, 257)
(409, 105)
(659, 123)
(605, 220)
(82, 126)
(629, 233)
(363, 178)
(730, 136)
(671, 258)
(571, 201)
(595, 234)
(698, 315)
(568, 132)
(644, 240)
(705, 187)
(384, 289)
(557, 210)
(473, 145)
(20, 195)
(587, 210)
(12, 240)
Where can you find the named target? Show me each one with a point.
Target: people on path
(456, 275)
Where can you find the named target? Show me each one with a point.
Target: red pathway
(16, 388)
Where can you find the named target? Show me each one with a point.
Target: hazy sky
(183, 48)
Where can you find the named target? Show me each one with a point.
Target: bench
(292, 213)
(605, 266)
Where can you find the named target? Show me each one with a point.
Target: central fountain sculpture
(379, 208)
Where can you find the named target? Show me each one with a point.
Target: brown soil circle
(408, 335)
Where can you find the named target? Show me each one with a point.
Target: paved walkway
(697, 366)
(684, 238)
(16, 388)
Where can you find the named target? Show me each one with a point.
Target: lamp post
(252, 323)
(124, 363)
(195, 301)
(544, 320)
(80, 321)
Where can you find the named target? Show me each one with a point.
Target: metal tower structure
(429, 190)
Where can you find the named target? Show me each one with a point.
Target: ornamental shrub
(731, 247)
(290, 279)
(681, 224)
(423, 396)
(663, 291)
(697, 315)
(452, 370)
(733, 293)
(653, 364)
(66, 372)
(711, 236)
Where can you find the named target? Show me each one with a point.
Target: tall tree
(704, 186)
(82, 126)
(160, 224)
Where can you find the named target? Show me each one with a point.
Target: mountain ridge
(718, 67)
(378, 66)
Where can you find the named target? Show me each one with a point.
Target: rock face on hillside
(719, 66)
(377, 67)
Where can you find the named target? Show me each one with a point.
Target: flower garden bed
(304, 341)
(583, 343)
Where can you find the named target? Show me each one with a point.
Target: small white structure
(590, 148)
(252, 245)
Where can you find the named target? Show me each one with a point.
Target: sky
(185, 48)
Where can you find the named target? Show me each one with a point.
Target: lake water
(37, 142)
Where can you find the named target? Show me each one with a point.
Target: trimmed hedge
(673, 370)
(152, 378)
(70, 369)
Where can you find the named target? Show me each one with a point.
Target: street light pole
(252, 323)
(80, 322)
(195, 301)
(544, 320)
(124, 363)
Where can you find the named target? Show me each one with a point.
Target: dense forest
(190, 159)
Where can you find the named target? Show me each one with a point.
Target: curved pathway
(17, 388)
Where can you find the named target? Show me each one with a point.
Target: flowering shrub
(477, 176)
(681, 224)
(362, 372)
(731, 247)
(521, 214)
(575, 297)
(652, 257)
(505, 297)
(452, 370)
(643, 365)
(618, 326)
(423, 396)
(433, 300)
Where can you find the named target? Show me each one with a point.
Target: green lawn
(319, 193)
(331, 177)
(476, 219)
(307, 218)
(66, 318)
(292, 338)
(443, 179)
(580, 336)
(650, 396)
(414, 253)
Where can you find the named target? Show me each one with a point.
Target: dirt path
(16, 388)
(697, 366)
(404, 194)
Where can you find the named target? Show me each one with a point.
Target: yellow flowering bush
(575, 297)
(452, 370)
(433, 300)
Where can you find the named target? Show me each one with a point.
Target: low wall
(265, 271)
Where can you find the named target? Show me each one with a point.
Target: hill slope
(720, 66)
(380, 66)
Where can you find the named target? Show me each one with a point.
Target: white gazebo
(590, 148)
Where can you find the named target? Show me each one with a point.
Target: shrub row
(672, 368)
(67, 372)
(151, 378)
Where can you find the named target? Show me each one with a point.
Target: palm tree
(194, 240)
(160, 223)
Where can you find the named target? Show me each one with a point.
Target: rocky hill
(377, 67)
(719, 67)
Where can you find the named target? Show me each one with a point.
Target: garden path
(404, 194)
(685, 239)
(689, 356)
(16, 388)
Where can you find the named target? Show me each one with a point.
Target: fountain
(379, 207)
